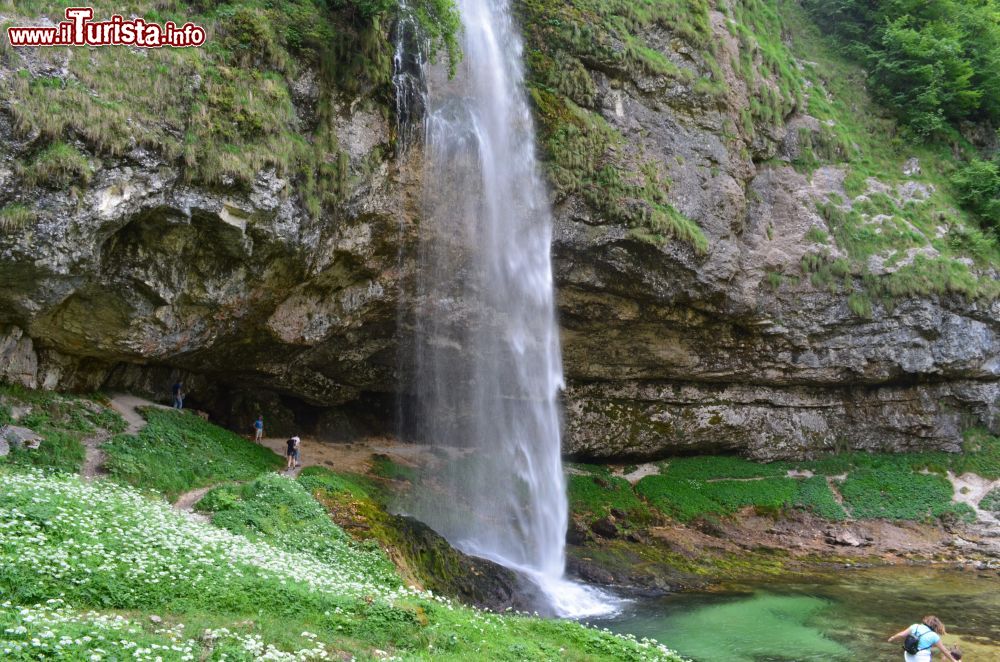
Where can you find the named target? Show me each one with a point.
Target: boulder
(846, 538)
(576, 533)
(605, 527)
(13, 436)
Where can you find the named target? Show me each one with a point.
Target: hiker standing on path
(291, 453)
(258, 429)
(178, 391)
(920, 638)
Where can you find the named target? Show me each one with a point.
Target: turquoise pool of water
(843, 615)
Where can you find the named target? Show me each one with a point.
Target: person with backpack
(292, 453)
(920, 638)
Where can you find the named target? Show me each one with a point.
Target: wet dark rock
(605, 527)
(589, 572)
(473, 580)
(576, 533)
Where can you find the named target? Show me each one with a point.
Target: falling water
(488, 368)
(409, 66)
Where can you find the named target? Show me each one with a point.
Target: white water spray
(488, 368)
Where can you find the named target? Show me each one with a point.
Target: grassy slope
(63, 422)
(83, 565)
(177, 452)
(858, 136)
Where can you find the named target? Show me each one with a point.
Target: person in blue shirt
(258, 429)
(928, 633)
(178, 391)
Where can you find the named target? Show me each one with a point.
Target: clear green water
(845, 615)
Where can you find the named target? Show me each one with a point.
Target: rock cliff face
(739, 347)
(142, 269)
(764, 333)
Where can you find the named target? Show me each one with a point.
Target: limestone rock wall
(141, 276)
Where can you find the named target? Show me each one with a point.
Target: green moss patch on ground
(596, 493)
(904, 486)
(178, 451)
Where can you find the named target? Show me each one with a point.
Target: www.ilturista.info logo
(79, 30)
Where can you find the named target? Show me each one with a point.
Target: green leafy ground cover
(110, 549)
(83, 565)
(178, 451)
(991, 501)
(906, 486)
(596, 492)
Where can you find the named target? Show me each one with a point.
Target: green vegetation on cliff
(905, 223)
(584, 154)
(904, 228)
(935, 63)
(15, 217)
(224, 112)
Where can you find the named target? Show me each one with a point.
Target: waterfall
(487, 360)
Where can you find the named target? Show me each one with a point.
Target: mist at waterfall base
(487, 367)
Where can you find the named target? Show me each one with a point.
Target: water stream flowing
(487, 359)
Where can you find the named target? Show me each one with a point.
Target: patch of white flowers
(54, 631)
(75, 532)
(61, 537)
